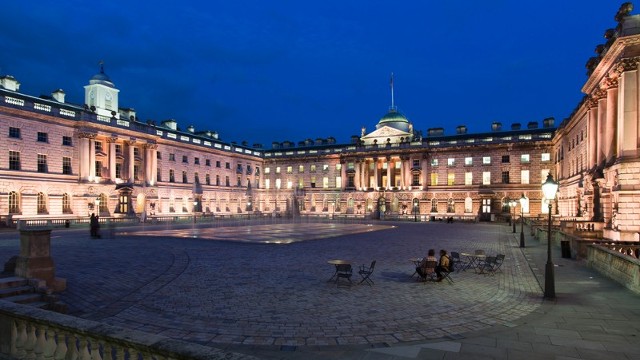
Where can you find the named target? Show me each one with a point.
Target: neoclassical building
(68, 160)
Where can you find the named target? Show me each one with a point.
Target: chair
(343, 271)
(366, 273)
(457, 262)
(428, 271)
(489, 265)
(499, 261)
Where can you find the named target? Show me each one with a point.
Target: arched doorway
(382, 207)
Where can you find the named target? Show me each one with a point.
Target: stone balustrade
(615, 265)
(36, 334)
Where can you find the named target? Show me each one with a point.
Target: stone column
(84, 155)
(592, 133)
(628, 127)
(343, 174)
(389, 166)
(601, 127)
(92, 158)
(154, 164)
(130, 160)
(375, 174)
(112, 157)
(612, 118)
(425, 173)
(356, 176)
(403, 182)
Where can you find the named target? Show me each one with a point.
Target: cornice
(607, 62)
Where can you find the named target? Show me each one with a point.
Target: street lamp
(415, 210)
(195, 209)
(513, 203)
(549, 189)
(97, 202)
(523, 199)
(507, 202)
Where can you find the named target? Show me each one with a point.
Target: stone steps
(18, 290)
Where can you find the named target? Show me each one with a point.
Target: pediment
(384, 133)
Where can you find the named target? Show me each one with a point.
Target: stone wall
(621, 268)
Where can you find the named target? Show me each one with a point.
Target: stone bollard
(35, 259)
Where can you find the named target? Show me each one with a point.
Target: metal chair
(457, 262)
(428, 271)
(343, 271)
(489, 266)
(499, 261)
(366, 273)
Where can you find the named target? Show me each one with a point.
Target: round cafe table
(337, 263)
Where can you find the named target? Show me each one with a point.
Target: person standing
(93, 225)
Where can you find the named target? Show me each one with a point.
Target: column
(343, 174)
(356, 177)
(130, 160)
(425, 173)
(628, 135)
(602, 119)
(375, 174)
(84, 156)
(612, 118)
(592, 131)
(112, 158)
(154, 164)
(389, 167)
(365, 174)
(92, 158)
(403, 182)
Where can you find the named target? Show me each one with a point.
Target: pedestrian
(93, 225)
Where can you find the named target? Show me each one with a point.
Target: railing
(32, 333)
(614, 265)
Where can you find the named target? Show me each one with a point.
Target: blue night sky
(265, 71)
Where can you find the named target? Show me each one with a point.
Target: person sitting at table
(422, 268)
(444, 265)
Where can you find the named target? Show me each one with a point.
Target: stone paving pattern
(262, 289)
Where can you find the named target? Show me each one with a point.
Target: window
(14, 206)
(313, 182)
(185, 159)
(289, 169)
(172, 175)
(136, 152)
(267, 170)
(41, 203)
(289, 184)
(227, 165)
(468, 161)
(468, 178)
(43, 137)
(66, 141)
(42, 163)
(524, 176)
(486, 178)
(338, 167)
(118, 170)
(172, 157)
(434, 162)
(226, 181)
(325, 182)
(524, 158)
(313, 168)
(158, 155)
(184, 177)
(338, 182)
(14, 133)
(277, 169)
(451, 179)
(278, 183)
(66, 204)
(505, 159)
(217, 180)
(66, 165)
(300, 183)
(119, 149)
(486, 160)
(207, 179)
(196, 161)
(239, 182)
(217, 163)
(267, 183)
(98, 165)
(434, 179)
(98, 146)
(543, 175)
(196, 178)
(300, 168)
(14, 160)
(415, 179)
(451, 162)
(207, 162)
(545, 157)
(159, 174)
(325, 167)
(434, 205)
(416, 163)
(505, 177)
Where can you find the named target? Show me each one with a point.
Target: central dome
(101, 78)
(395, 120)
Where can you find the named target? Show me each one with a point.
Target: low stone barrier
(616, 266)
(30, 333)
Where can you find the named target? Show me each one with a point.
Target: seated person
(421, 269)
(444, 265)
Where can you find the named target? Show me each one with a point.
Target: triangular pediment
(384, 133)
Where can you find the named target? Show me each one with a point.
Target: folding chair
(457, 262)
(366, 273)
(428, 271)
(499, 261)
(343, 271)
(489, 266)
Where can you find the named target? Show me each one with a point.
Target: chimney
(496, 126)
(10, 83)
(58, 96)
(532, 125)
(515, 126)
(462, 129)
(548, 122)
(190, 129)
(171, 124)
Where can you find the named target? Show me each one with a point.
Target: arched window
(451, 206)
(468, 205)
(104, 205)
(14, 203)
(66, 204)
(42, 203)
(434, 205)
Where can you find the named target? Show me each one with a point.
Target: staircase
(20, 291)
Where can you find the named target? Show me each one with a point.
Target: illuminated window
(289, 184)
(524, 176)
(468, 161)
(545, 157)
(289, 169)
(267, 184)
(313, 168)
(543, 175)
(267, 170)
(434, 179)
(434, 162)
(451, 179)
(524, 158)
(325, 167)
(277, 169)
(301, 168)
(486, 160)
(468, 178)
(278, 183)
(451, 162)
(338, 167)
(338, 182)
(325, 182)
(486, 178)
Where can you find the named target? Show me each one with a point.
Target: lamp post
(549, 189)
(415, 210)
(507, 202)
(97, 202)
(523, 199)
(513, 203)
(195, 209)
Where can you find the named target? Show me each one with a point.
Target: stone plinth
(35, 259)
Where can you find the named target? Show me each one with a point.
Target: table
(337, 263)
(416, 262)
(473, 261)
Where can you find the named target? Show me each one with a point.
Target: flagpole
(393, 107)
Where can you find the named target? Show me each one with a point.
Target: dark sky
(268, 70)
